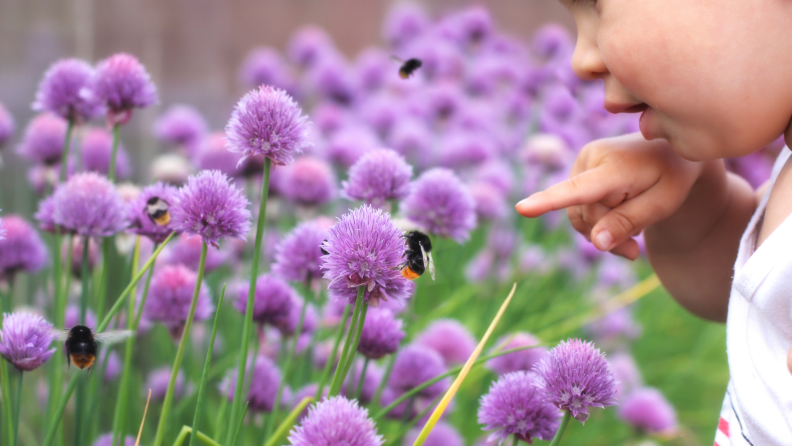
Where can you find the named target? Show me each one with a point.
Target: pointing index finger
(587, 187)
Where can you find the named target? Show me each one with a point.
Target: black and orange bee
(81, 343)
(408, 67)
(417, 255)
(157, 210)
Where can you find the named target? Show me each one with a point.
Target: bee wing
(396, 58)
(60, 335)
(427, 261)
(111, 337)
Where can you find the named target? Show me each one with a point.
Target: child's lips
(645, 122)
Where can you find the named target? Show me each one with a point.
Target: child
(712, 80)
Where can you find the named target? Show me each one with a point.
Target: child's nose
(587, 61)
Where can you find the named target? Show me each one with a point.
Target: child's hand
(617, 187)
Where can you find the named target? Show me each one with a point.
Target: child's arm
(694, 214)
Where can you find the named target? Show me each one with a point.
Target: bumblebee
(157, 210)
(81, 344)
(418, 256)
(409, 67)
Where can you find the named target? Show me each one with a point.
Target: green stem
(202, 386)
(66, 146)
(385, 377)
(338, 379)
(516, 441)
(454, 371)
(18, 407)
(111, 171)
(289, 421)
(102, 291)
(102, 326)
(564, 421)
(187, 430)
(356, 340)
(239, 425)
(247, 326)
(166, 404)
(410, 424)
(80, 406)
(331, 359)
(361, 379)
(5, 387)
(286, 370)
(61, 293)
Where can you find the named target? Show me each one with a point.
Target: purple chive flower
(441, 204)
(626, 373)
(648, 410)
(391, 294)
(272, 299)
(412, 138)
(45, 214)
(450, 338)
(22, 249)
(329, 117)
(515, 406)
(307, 44)
(25, 340)
(264, 382)
(43, 140)
(60, 91)
(122, 84)
(615, 328)
(364, 248)
(182, 126)
(552, 42)
(381, 334)
(336, 421)
(89, 205)
(333, 78)
(213, 155)
(114, 366)
(158, 380)
(107, 439)
(265, 66)
(443, 434)
(414, 365)
(521, 360)
(576, 376)
(210, 206)
(468, 26)
(97, 147)
(7, 125)
(170, 295)
(404, 22)
(373, 65)
(186, 250)
(490, 202)
(382, 110)
(377, 177)
(298, 256)
(267, 122)
(308, 182)
(139, 220)
(371, 382)
(2, 231)
(442, 60)
(288, 325)
(349, 144)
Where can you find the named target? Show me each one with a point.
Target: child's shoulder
(779, 200)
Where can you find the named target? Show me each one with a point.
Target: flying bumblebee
(157, 210)
(408, 67)
(81, 343)
(418, 255)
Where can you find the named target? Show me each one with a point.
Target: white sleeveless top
(758, 403)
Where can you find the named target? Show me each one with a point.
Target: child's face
(716, 74)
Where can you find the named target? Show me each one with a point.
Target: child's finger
(588, 187)
(628, 249)
(629, 218)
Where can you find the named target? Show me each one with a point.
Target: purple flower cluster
(89, 205)
(158, 381)
(183, 126)
(22, 249)
(25, 340)
(267, 122)
(264, 382)
(515, 406)
(443, 434)
(272, 300)
(520, 360)
(450, 338)
(140, 220)
(210, 206)
(648, 410)
(61, 91)
(97, 147)
(107, 439)
(364, 249)
(43, 140)
(336, 421)
(441, 204)
(576, 376)
(170, 295)
(308, 182)
(381, 334)
(377, 177)
(414, 365)
(298, 256)
(121, 83)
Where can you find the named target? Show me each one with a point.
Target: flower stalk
(564, 422)
(339, 375)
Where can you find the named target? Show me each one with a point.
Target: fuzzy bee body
(157, 210)
(418, 256)
(409, 67)
(82, 344)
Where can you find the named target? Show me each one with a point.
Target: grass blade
(289, 421)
